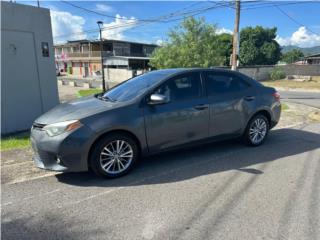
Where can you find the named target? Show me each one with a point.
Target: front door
(86, 70)
(228, 97)
(183, 119)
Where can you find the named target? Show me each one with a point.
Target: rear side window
(221, 83)
(182, 87)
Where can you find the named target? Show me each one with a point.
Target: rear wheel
(114, 155)
(257, 130)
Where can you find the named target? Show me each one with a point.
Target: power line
(118, 26)
(158, 19)
(294, 20)
(94, 12)
(96, 30)
(266, 4)
(180, 14)
(150, 21)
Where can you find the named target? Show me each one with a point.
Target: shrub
(277, 73)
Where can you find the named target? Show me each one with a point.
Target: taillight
(276, 95)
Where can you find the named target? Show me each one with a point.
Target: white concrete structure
(28, 75)
(117, 75)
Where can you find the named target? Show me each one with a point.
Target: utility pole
(38, 1)
(235, 50)
(100, 23)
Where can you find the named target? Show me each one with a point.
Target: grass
(284, 107)
(88, 92)
(314, 84)
(15, 142)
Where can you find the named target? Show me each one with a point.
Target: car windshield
(133, 87)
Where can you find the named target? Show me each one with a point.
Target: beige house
(83, 57)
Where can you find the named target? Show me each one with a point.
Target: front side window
(221, 83)
(183, 87)
(133, 87)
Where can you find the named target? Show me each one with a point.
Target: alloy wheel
(116, 157)
(258, 131)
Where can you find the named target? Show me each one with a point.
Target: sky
(297, 22)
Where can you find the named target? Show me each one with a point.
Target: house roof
(313, 56)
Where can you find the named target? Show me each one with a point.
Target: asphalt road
(216, 191)
(307, 98)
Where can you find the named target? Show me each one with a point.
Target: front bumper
(67, 152)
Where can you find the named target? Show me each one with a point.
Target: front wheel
(114, 155)
(257, 130)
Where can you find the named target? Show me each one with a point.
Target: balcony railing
(91, 54)
(97, 54)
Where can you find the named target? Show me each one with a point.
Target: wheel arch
(264, 112)
(114, 131)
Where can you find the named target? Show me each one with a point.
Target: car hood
(75, 110)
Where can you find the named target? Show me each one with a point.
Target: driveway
(216, 191)
(68, 93)
(307, 98)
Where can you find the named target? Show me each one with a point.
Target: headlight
(61, 127)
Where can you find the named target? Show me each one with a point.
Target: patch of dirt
(68, 93)
(297, 114)
(315, 116)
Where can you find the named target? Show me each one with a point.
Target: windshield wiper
(105, 98)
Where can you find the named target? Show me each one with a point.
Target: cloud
(160, 42)
(103, 7)
(115, 30)
(301, 38)
(223, 30)
(66, 26)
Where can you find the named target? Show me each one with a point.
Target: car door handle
(249, 98)
(201, 106)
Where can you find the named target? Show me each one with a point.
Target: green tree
(258, 46)
(292, 56)
(193, 43)
(225, 47)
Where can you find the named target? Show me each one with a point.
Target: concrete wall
(261, 73)
(28, 79)
(305, 70)
(117, 75)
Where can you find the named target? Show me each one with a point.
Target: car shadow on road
(207, 159)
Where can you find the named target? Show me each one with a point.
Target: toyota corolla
(152, 113)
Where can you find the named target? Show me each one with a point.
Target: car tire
(106, 161)
(257, 130)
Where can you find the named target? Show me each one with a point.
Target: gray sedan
(154, 112)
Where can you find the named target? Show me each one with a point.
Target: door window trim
(221, 72)
(202, 90)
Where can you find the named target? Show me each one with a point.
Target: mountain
(306, 51)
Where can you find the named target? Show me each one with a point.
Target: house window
(76, 49)
(85, 48)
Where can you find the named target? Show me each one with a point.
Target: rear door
(230, 99)
(183, 119)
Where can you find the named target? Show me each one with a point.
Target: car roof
(165, 73)
(171, 71)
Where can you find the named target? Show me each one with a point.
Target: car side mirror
(158, 99)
